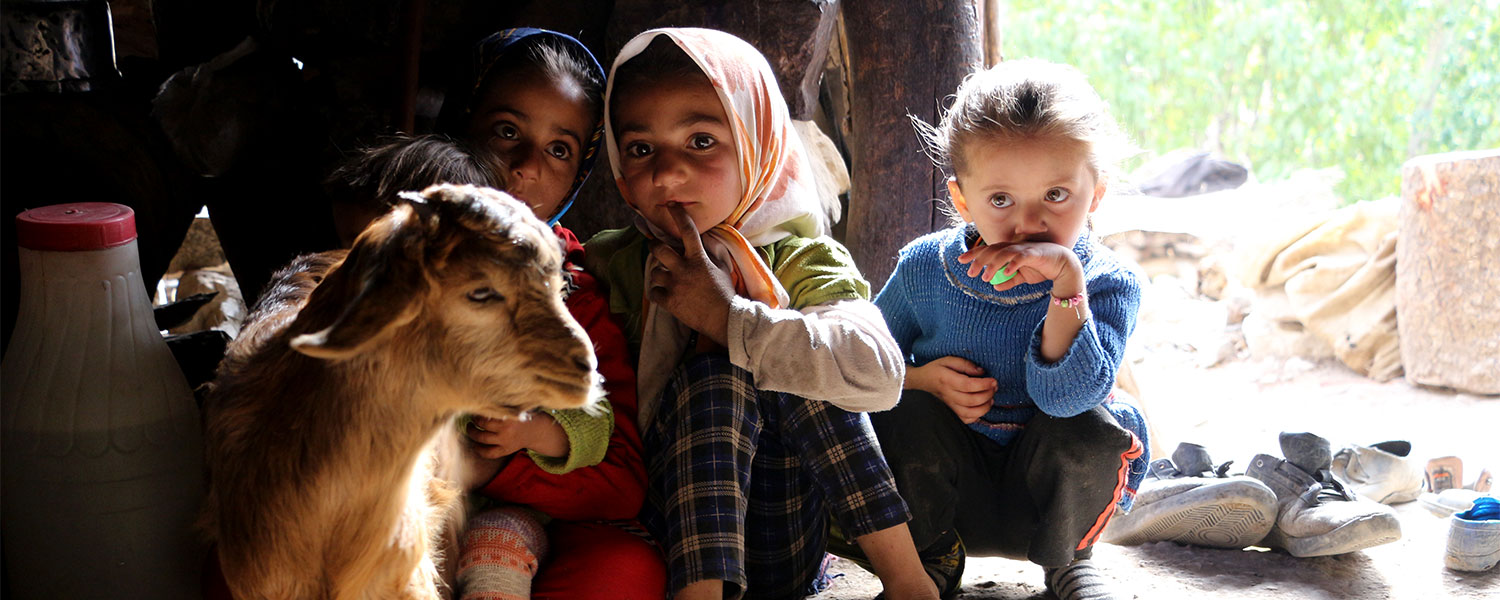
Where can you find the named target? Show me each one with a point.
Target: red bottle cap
(76, 226)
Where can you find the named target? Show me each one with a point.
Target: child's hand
(497, 438)
(689, 285)
(1031, 262)
(958, 383)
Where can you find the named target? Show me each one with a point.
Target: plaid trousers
(741, 481)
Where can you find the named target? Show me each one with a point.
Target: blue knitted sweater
(935, 309)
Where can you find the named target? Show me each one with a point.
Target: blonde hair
(1021, 99)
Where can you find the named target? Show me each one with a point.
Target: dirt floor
(1200, 385)
(1236, 410)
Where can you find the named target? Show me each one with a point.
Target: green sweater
(813, 270)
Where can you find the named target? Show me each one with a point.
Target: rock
(1448, 270)
(1213, 277)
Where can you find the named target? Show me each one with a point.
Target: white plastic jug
(103, 454)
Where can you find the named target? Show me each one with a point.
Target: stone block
(1448, 270)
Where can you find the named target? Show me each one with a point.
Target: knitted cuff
(588, 434)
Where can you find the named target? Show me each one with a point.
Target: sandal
(1445, 473)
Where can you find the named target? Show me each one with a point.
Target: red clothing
(615, 488)
(599, 561)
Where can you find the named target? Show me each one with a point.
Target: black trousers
(1044, 497)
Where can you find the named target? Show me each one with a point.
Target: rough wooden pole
(989, 18)
(903, 58)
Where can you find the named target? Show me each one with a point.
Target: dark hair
(1026, 98)
(662, 61)
(373, 177)
(556, 60)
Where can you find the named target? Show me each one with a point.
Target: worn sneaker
(1382, 472)
(946, 566)
(1082, 580)
(1187, 499)
(1474, 537)
(1449, 501)
(1316, 514)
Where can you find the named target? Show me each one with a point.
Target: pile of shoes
(1317, 515)
(1472, 512)
(1312, 501)
(1304, 503)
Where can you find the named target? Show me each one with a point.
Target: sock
(500, 553)
(1082, 580)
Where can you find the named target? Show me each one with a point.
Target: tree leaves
(1282, 85)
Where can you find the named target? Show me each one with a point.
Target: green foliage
(1282, 85)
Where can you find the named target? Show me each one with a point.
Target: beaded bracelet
(1073, 303)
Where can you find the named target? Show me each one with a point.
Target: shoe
(944, 562)
(1483, 482)
(946, 566)
(1186, 499)
(1474, 537)
(1449, 501)
(1082, 580)
(1316, 514)
(1382, 472)
(1445, 473)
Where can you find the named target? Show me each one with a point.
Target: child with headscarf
(561, 522)
(759, 349)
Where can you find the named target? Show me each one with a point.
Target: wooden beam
(989, 17)
(905, 58)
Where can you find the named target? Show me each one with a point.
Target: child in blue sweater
(1009, 439)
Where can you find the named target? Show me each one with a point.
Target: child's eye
(1057, 195)
(637, 149)
(702, 141)
(1000, 200)
(560, 151)
(506, 131)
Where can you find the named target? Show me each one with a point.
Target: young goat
(327, 424)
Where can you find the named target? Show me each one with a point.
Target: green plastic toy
(1000, 276)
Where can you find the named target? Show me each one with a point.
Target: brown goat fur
(329, 427)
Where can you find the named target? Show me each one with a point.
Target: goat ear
(376, 289)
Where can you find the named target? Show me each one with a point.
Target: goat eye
(485, 295)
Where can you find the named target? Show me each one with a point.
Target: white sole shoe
(1223, 513)
(1474, 538)
(1358, 534)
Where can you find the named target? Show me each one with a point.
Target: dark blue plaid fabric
(741, 481)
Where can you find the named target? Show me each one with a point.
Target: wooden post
(905, 58)
(989, 18)
(792, 34)
(408, 60)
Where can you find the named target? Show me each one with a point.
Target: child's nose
(524, 161)
(1031, 221)
(669, 169)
